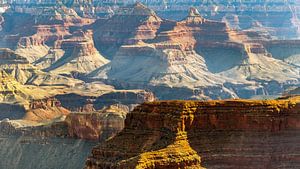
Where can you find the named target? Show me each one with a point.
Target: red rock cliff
(213, 134)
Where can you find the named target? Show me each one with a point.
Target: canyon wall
(212, 134)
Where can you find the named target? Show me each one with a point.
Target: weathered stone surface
(212, 134)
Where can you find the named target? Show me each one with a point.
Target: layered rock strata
(80, 55)
(97, 125)
(171, 55)
(143, 25)
(212, 134)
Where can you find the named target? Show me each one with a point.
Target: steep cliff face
(127, 26)
(213, 134)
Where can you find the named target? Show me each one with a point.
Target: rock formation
(11, 90)
(45, 109)
(97, 125)
(43, 28)
(212, 134)
(129, 25)
(80, 55)
(52, 31)
(94, 117)
(19, 67)
(198, 57)
(278, 18)
(170, 55)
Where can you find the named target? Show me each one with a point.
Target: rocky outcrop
(55, 41)
(212, 134)
(45, 109)
(97, 125)
(72, 115)
(34, 110)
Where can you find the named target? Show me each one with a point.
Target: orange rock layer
(213, 134)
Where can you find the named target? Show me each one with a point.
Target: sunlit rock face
(213, 134)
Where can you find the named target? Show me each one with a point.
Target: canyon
(136, 48)
(164, 84)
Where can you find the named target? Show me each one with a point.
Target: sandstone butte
(205, 134)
